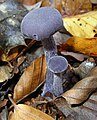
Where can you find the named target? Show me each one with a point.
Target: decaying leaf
(5, 72)
(78, 56)
(84, 25)
(31, 79)
(63, 106)
(32, 2)
(85, 68)
(94, 96)
(73, 7)
(60, 38)
(11, 38)
(87, 111)
(10, 8)
(44, 2)
(81, 90)
(12, 46)
(93, 72)
(57, 4)
(3, 103)
(24, 112)
(27, 2)
(86, 46)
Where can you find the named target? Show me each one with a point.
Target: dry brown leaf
(84, 25)
(11, 38)
(31, 79)
(27, 2)
(24, 112)
(73, 7)
(44, 2)
(91, 104)
(86, 46)
(3, 103)
(5, 72)
(94, 96)
(87, 111)
(78, 56)
(32, 2)
(81, 90)
(13, 53)
(53, 3)
(57, 4)
(93, 72)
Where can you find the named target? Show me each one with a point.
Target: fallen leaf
(85, 68)
(44, 2)
(81, 90)
(27, 2)
(32, 2)
(84, 25)
(57, 4)
(93, 72)
(60, 38)
(66, 109)
(17, 63)
(10, 8)
(31, 79)
(4, 113)
(3, 103)
(86, 46)
(87, 111)
(5, 72)
(91, 104)
(78, 56)
(24, 112)
(94, 96)
(73, 7)
(11, 38)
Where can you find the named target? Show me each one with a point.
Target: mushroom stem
(50, 49)
(57, 84)
(48, 86)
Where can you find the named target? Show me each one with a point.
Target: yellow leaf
(84, 25)
(24, 112)
(31, 79)
(86, 46)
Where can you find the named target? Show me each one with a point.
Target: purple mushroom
(41, 24)
(57, 65)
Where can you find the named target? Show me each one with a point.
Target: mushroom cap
(57, 64)
(42, 23)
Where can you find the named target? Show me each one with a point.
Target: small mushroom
(41, 24)
(57, 65)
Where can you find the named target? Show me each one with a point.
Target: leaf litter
(21, 57)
